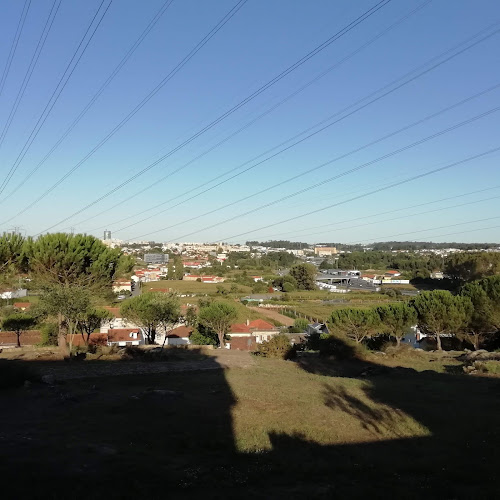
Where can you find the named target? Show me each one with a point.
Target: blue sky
(260, 41)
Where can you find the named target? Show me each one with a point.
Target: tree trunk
(18, 339)
(438, 342)
(221, 340)
(398, 341)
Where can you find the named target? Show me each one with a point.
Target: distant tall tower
(107, 235)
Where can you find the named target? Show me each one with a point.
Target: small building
(317, 329)
(246, 336)
(155, 258)
(392, 274)
(179, 336)
(11, 293)
(122, 286)
(22, 306)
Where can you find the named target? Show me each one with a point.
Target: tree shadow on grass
(170, 434)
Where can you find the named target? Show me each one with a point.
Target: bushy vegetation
(278, 347)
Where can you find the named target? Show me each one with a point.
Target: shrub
(49, 333)
(15, 373)
(198, 338)
(278, 346)
(333, 345)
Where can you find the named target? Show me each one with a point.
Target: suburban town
(249, 250)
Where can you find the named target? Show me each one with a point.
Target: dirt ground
(270, 313)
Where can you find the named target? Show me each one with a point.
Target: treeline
(472, 315)
(410, 264)
(411, 246)
(288, 245)
(271, 261)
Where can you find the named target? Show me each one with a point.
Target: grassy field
(258, 429)
(182, 286)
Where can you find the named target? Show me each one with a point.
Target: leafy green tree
(19, 322)
(218, 316)
(395, 319)
(179, 268)
(357, 324)
(300, 325)
(91, 319)
(198, 338)
(491, 286)
(11, 258)
(482, 318)
(304, 275)
(67, 303)
(151, 311)
(467, 266)
(74, 260)
(439, 312)
(191, 317)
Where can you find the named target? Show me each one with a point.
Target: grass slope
(260, 429)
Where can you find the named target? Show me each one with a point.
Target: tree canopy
(439, 312)
(218, 316)
(304, 275)
(151, 311)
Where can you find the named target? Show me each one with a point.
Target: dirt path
(271, 313)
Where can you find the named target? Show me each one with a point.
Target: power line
(34, 59)
(322, 122)
(57, 92)
(96, 96)
(246, 126)
(347, 221)
(335, 177)
(252, 96)
(411, 215)
(439, 227)
(13, 47)
(144, 101)
(369, 193)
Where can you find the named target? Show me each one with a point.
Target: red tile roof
(22, 305)
(123, 334)
(180, 332)
(239, 328)
(260, 324)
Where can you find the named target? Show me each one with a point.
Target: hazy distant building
(107, 235)
(325, 251)
(155, 258)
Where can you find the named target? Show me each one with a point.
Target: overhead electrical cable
(13, 47)
(70, 68)
(246, 126)
(467, 203)
(206, 189)
(329, 162)
(230, 111)
(34, 59)
(96, 96)
(375, 191)
(348, 221)
(383, 238)
(144, 101)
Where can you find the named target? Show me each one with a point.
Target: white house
(13, 294)
(178, 336)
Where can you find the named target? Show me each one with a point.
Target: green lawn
(265, 429)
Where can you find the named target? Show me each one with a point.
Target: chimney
(248, 322)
